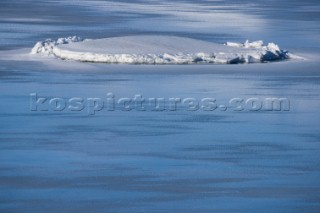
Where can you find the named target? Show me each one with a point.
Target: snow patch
(159, 50)
(46, 47)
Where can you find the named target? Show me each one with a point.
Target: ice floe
(159, 50)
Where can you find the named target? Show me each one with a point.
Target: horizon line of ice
(235, 53)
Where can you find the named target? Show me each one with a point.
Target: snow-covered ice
(159, 50)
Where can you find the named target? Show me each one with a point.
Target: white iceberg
(159, 50)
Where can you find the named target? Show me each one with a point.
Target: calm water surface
(177, 161)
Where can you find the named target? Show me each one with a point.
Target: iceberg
(159, 50)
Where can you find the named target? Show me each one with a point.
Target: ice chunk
(159, 50)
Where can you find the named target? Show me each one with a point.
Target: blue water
(170, 161)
